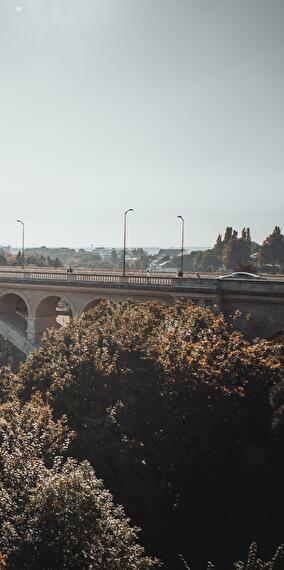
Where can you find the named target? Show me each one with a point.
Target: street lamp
(23, 242)
(182, 245)
(124, 240)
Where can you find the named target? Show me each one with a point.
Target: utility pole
(23, 242)
(182, 245)
(124, 239)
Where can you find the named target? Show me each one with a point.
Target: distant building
(130, 260)
(103, 252)
(171, 252)
(165, 267)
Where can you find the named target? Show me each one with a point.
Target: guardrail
(87, 278)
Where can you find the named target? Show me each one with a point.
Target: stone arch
(15, 311)
(91, 305)
(73, 310)
(53, 311)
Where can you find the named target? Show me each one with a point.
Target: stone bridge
(33, 301)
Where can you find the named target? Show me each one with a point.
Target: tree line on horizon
(32, 259)
(239, 252)
(168, 411)
(230, 251)
(68, 257)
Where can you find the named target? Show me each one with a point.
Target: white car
(241, 275)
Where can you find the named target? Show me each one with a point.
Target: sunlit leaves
(55, 514)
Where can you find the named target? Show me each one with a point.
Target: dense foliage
(272, 250)
(54, 512)
(172, 407)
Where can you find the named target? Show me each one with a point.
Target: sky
(169, 107)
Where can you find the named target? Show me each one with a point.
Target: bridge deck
(157, 282)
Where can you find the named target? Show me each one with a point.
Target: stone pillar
(218, 305)
(41, 324)
(31, 330)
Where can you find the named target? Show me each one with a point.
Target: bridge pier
(31, 331)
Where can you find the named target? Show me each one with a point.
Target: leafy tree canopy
(171, 406)
(272, 250)
(55, 513)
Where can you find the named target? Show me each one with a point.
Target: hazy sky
(166, 106)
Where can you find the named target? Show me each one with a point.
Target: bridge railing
(87, 278)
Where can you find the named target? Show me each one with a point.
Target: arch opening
(52, 312)
(14, 312)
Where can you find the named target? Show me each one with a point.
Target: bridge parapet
(65, 278)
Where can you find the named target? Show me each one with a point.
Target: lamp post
(182, 245)
(23, 242)
(124, 239)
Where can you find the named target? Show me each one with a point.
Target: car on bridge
(241, 275)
